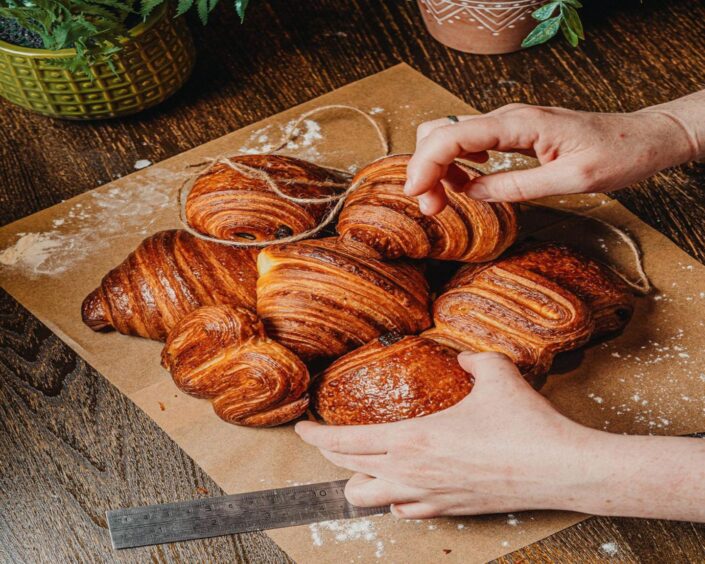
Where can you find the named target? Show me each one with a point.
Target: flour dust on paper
(88, 227)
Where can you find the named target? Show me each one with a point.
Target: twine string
(258, 174)
(643, 286)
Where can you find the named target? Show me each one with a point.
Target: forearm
(644, 476)
(684, 126)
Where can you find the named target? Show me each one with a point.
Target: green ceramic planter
(153, 65)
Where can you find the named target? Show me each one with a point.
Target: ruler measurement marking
(237, 513)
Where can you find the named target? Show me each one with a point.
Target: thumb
(491, 369)
(520, 185)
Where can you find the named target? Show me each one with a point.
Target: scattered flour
(512, 520)
(303, 139)
(610, 548)
(142, 163)
(376, 110)
(347, 530)
(89, 227)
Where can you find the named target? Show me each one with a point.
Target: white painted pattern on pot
(493, 16)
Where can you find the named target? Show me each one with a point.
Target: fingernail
(423, 206)
(409, 187)
(466, 355)
(478, 191)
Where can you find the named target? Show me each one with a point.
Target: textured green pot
(152, 65)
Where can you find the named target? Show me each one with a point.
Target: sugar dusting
(347, 530)
(89, 226)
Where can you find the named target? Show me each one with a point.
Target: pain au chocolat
(322, 298)
(223, 354)
(389, 379)
(530, 306)
(381, 216)
(239, 204)
(168, 275)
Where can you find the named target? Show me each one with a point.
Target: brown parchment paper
(649, 380)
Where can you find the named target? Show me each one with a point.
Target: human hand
(503, 448)
(579, 152)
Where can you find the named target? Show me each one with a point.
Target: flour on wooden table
(89, 227)
(610, 548)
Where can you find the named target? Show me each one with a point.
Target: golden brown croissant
(378, 214)
(320, 298)
(228, 204)
(530, 306)
(168, 275)
(389, 379)
(222, 353)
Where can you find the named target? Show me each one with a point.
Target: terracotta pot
(487, 27)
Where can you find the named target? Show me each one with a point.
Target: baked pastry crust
(322, 298)
(227, 204)
(223, 354)
(380, 215)
(168, 275)
(531, 306)
(389, 379)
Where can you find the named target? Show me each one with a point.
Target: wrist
(675, 140)
(641, 476)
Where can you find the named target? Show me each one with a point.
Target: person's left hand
(503, 448)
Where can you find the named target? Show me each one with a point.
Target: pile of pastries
(244, 327)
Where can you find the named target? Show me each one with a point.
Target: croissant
(389, 379)
(228, 204)
(531, 306)
(167, 276)
(379, 215)
(322, 298)
(222, 353)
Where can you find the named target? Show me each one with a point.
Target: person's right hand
(579, 152)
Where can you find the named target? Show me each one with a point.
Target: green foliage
(95, 28)
(554, 16)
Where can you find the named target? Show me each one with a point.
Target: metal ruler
(238, 513)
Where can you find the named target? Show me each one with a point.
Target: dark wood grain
(71, 446)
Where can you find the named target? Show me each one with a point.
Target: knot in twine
(258, 174)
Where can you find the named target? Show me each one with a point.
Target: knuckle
(511, 189)
(530, 113)
(514, 106)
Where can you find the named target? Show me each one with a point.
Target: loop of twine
(258, 174)
(643, 286)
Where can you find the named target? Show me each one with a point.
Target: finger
(418, 510)
(519, 185)
(490, 367)
(366, 491)
(434, 201)
(372, 464)
(444, 144)
(428, 126)
(352, 439)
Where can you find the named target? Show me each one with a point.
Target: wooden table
(71, 445)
